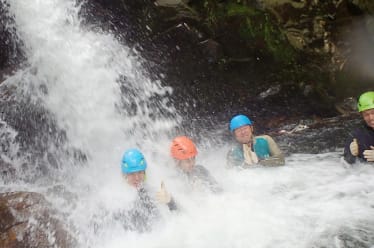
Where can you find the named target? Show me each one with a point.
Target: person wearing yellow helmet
(361, 144)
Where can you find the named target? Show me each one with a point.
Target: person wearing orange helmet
(184, 152)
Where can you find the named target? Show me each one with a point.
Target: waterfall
(82, 97)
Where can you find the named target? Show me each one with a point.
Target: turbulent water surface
(92, 90)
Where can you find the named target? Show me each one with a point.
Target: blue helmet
(133, 161)
(239, 121)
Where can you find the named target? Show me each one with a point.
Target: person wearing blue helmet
(143, 211)
(134, 167)
(250, 149)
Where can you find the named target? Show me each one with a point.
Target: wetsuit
(365, 139)
(142, 214)
(237, 157)
(200, 176)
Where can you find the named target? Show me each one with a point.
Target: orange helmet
(182, 148)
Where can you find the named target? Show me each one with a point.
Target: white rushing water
(313, 201)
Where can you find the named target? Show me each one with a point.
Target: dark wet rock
(280, 60)
(364, 5)
(172, 3)
(238, 76)
(347, 106)
(10, 46)
(129, 21)
(332, 34)
(309, 42)
(214, 71)
(296, 41)
(7, 171)
(212, 50)
(29, 135)
(316, 136)
(28, 220)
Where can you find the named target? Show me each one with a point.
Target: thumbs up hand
(353, 147)
(369, 154)
(162, 195)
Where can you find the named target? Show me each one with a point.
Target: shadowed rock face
(7, 171)
(220, 66)
(217, 72)
(29, 134)
(27, 220)
(214, 72)
(5, 38)
(333, 35)
(317, 136)
(10, 46)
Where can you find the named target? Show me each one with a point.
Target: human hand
(353, 147)
(369, 154)
(162, 195)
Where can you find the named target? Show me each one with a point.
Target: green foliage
(234, 9)
(255, 26)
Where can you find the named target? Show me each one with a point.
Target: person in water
(250, 149)
(144, 210)
(184, 152)
(360, 146)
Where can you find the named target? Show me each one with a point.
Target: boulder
(28, 220)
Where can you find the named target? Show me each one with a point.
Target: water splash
(89, 91)
(93, 87)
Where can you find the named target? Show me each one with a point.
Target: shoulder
(201, 170)
(235, 148)
(362, 127)
(264, 136)
(362, 131)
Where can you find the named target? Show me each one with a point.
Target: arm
(164, 197)
(207, 179)
(172, 205)
(234, 157)
(348, 156)
(276, 155)
(355, 145)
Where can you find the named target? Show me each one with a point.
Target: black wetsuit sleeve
(348, 157)
(204, 175)
(172, 205)
(365, 139)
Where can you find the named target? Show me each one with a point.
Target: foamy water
(313, 201)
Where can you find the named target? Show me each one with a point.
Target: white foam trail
(311, 201)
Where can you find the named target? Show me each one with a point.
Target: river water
(97, 94)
